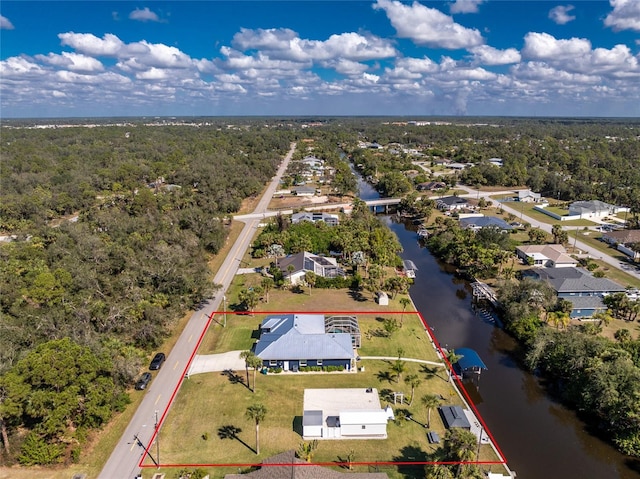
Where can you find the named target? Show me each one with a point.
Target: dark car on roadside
(157, 361)
(143, 382)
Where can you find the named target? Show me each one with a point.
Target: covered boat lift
(469, 362)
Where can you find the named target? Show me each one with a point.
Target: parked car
(156, 362)
(143, 382)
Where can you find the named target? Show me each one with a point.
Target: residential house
(314, 217)
(623, 240)
(459, 166)
(292, 341)
(578, 286)
(349, 413)
(476, 223)
(303, 262)
(303, 191)
(287, 465)
(496, 162)
(594, 209)
(528, 196)
(431, 186)
(451, 203)
(547, 255)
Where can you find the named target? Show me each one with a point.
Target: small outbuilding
(454, 416)
(382, 298)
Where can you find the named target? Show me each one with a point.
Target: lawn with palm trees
(215, 420)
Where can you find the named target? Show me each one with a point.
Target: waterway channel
(539, 437)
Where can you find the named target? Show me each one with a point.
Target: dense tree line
(482, 254)
(148, 207)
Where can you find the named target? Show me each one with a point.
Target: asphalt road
(141, 432)
(585, 248)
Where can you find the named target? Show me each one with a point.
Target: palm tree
(246, 355)
(310, 279)
(399, 367)
(254, 362)
(452, 358)
(414, 381)
(404, 302)
(257, 413)
(267, 284)
(430, 401)
(307, 449)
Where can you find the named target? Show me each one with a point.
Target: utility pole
(157, 443)
(224, 310)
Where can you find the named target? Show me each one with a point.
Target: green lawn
(213, 405)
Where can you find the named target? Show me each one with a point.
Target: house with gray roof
(304, 262)
(528, 196)
(624, 240)
(478, 222)
(451, 203)
(579, 286)
(292, 341)
(594, 209)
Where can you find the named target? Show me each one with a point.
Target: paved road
(141, 431)
(587, 249)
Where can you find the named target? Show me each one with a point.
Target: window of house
(364, 427)
(303, 362)
(273, 362)
(319, 362)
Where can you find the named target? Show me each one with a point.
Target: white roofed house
(350, 413)
(300, 263)
(314, 217)
(528, 196)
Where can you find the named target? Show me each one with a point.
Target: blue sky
(312, 57)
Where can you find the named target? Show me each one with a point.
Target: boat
(410, 268)
(423, 233)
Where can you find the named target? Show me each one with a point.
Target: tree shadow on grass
(433, 371)
(357, 295)
(410, 454)
(235, 378)
(231, 432)
(386, 376)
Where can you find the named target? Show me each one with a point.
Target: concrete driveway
(216, 362)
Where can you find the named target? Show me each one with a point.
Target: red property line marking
(378, 463)
(175, 391)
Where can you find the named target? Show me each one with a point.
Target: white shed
(382, 298)
(312, 424)
(363, 423)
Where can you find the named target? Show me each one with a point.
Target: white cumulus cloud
(542, 46)
(285, 44)
(5, 23)
(428, 26)
(560, 14)
(72, 61)
(465, 6)
(486, 55)
(144, 15)
(108, 46)
(625, 15)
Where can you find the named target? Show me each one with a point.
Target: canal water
(540, 438)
